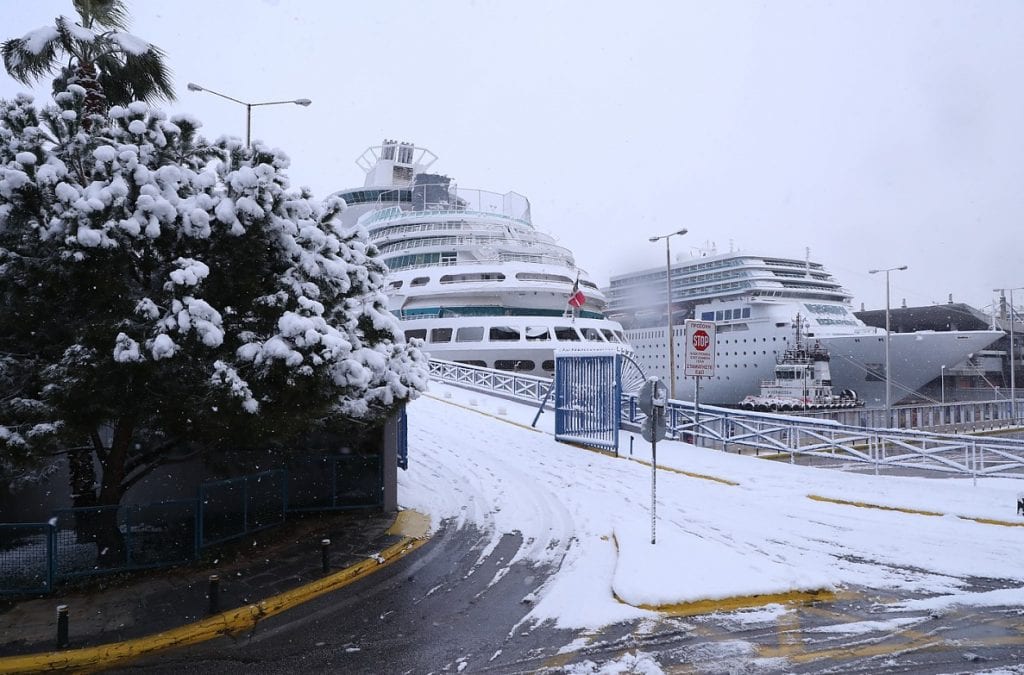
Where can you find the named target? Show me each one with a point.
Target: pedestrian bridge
(841, 442)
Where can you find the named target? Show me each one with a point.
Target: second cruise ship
(753, 300)
(469, 273)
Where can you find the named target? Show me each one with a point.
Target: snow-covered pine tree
(160, 293)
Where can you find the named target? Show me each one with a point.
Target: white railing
(829, 443)
(823, 442)
(518, 386)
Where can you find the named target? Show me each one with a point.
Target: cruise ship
(753, 300)
(468, 272)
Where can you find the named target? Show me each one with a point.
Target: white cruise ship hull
(753, 300)
(857, 361)
(468, 274)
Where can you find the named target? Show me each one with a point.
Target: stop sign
(700, 348)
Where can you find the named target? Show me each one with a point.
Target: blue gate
(588, 398)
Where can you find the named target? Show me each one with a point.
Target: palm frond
(27, 65)
(105, 13)
(127, 77)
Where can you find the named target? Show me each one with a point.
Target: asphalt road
(443, 609)
(446, 609)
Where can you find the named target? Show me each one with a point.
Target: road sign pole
(658, 410)
(696, 410)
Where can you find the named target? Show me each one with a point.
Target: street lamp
(888, 387)
(1013, 370)
(248, 106)
(943, 378)
(668, 300)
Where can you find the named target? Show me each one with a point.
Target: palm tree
(113, 66)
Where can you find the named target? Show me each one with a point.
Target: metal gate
(588, 398)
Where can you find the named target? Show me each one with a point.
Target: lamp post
(668, 301)
(888, 387)
(943, 378)
(248, 106)
(1013, 370)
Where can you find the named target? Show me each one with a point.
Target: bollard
(62, 626)
(325, 554)
(630, 445)
(213, 595)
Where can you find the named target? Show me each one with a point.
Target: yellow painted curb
(866, 505)
(740, 602)
(412, 526)
(916, 512)
(701, 476)
(710, 606)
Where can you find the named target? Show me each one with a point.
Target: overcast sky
(876, 134)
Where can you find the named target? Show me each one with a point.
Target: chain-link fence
(335, 482)
(85, 541)
(237, 506)
(26, 558)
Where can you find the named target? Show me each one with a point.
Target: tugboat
(802, 380)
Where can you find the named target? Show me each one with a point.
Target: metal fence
(238, 506)
(520, 387)
(104, 539)
(26, 558)
(587, 399)
(81, 542)
(336, 482)
(828, 443)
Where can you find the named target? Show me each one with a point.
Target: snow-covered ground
(474, 459)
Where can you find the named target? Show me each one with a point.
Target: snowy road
(542, 558)
(753, 531)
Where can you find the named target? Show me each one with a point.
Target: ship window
(533, 276)
(591, 334)
(470, 334)
(504, 333)
(610, 336)
(718, 315)
(537, 333)
(449, 257)
(441, 335)
(728, 315)
(746, 313)
(566, 333)
(460, 278)
(395, 285)
(471, 362)
(548, 365)
(707, 316)
(420, 281)
(418, 333)
(515, 365)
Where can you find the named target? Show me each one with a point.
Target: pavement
(115, 618)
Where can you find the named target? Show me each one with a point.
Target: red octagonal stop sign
(701, 340)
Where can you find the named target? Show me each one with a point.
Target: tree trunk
(95, 100)
(109, 540)
(83, 479)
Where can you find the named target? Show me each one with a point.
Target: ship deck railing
(396, 214)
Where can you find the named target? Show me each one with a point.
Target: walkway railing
(954, 416)
(829, 443)
(518, 386)
(813, 439)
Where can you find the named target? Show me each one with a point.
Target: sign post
(699, 361)
(652, 399)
